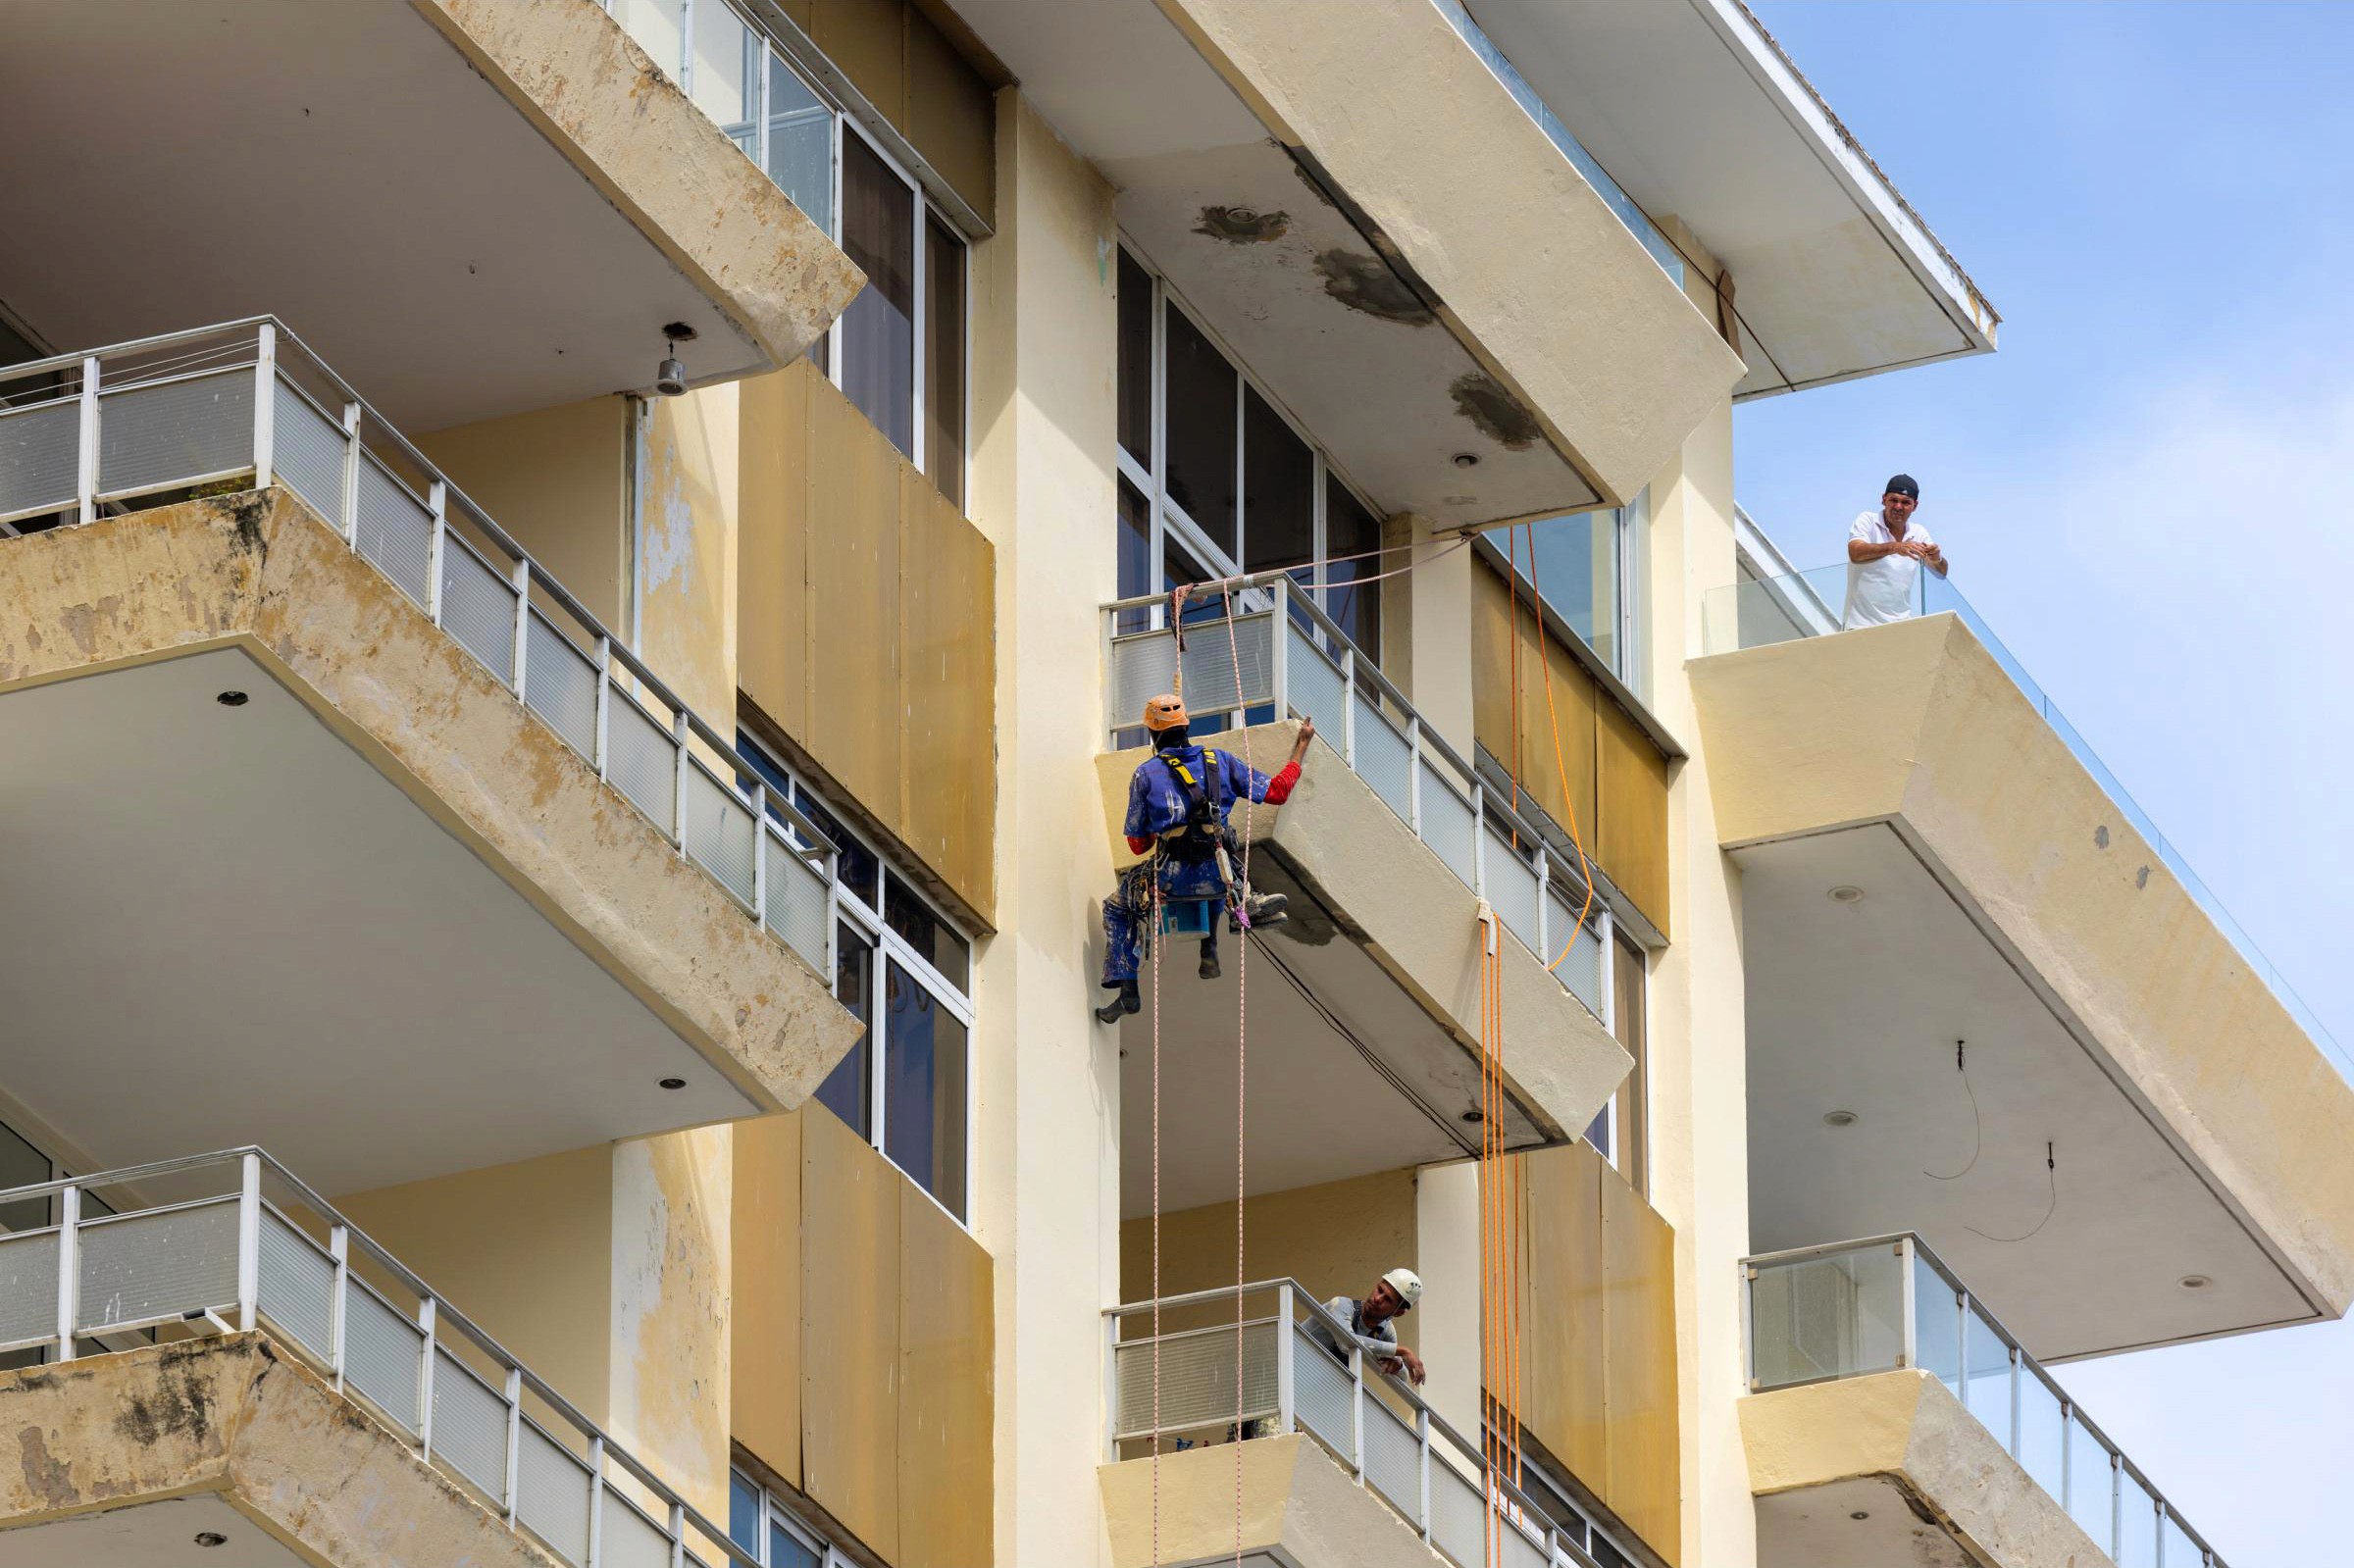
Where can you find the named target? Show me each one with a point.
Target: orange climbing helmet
(1164, 712)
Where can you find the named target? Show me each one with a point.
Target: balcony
(325, 782)
(476, 207)
(1987, 1001)
(1888, 1407)
(227, 1353)
(1393, 853)
(1341, 1466)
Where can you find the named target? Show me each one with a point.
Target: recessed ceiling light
(1474, 1116)
(674, 1082)
(1466, 460)
(2194, 1282)
(1839, 1117)
(233, 699)
(1861, 1514)
(1844, 893)
(211, 1537)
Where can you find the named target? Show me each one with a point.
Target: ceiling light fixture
(233, 699)
(1861, 1514)
(2194, 1282)
(1839, 1117)
(1474, 1116)
(674, 1082)
(671, 380)
(1846, 893)
(211, 1537)
(1466, 460)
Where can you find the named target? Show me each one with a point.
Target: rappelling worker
(1178, 803)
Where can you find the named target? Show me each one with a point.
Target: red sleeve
(1137, 846)
(1279, 787)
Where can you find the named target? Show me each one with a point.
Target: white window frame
(1168, 518)
(776, 1513)
(887, 945)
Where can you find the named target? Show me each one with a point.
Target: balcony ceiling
(1697, 114)
(154, 1535)
(1295, 287)
(1855, 1007)
(227, 926)
(344, 167)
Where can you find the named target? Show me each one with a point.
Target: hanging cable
(1242, 1059)
(1977, 1122)
(2051, 1171)
(1155, 1450)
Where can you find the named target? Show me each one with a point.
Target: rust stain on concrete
(46, 1477)
(1366, 283)
(1242, 226)
(1494, 411)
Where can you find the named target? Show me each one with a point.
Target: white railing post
(249, 1239)
(69, 1268)
(1413, 771)
(678, 1535)
(2016, 1373)
(678, 795)
(1480, 838)
(1357, 1412)
(436, 498)
(605, 701)
(1279, 653)
(2116, 1504)
(1423, 1461)
(338, 1249)
(85, 482)
(760, 852)
(1111, 1388)
(514, 1441)
(1348, 705)
(425, 1378)
(265, 404)
(1544, 902)
(1287, 1341)
(596, 1500)
(1910, 1354)
(350, 518)
(2068, 1418)
(523, 623)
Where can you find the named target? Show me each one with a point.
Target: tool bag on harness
(1202, 838)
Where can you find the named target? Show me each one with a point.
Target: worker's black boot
(1209, 956)
(1126, 1002)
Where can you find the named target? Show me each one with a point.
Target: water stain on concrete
(1364, 284)
(1244, 226)
(1490, 407)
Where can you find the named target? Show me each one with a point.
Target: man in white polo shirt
(1885, 552)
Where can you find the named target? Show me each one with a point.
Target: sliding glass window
(1589, 570)
(1216, 479)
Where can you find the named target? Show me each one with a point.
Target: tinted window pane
(1136, 360)
(1576, 572)
(1136, 554)
(1201, 423)
(1351, 530)
(21, 1165)
(847, 1089)
(1279, 489)
(727, 79)
(878, 331)
(905, 911)
(923, 1089)
(800, 146)
(743, 1513)
(855, 865)
(944, 358)
(786, 1552)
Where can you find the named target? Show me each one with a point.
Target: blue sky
(2143, 493)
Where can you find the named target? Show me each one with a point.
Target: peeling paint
(1490, 407)
(1244, 226)
(2100, 837)
(1366, 283)
(2142, 878)
(47, 1478)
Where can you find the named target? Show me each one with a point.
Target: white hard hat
(1406, 1283)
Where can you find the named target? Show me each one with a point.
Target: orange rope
(1585, 862)
(1157, 942)
(1242, 1067)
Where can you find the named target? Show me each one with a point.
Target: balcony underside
(2195, 1130)
(1872, 1472)
(380, 916)
(1428, 278)
(1298, 1509)
(123, 1459)
(1364, 1011)
(473, 208)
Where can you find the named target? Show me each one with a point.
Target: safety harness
(1202, 834)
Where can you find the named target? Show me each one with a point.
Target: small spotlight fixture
(1839, 1117)
(1474, 1116)
(233, 699)
(671, 380)
(1861, 1514)
(1846, 893)
(211, 1537)
(2194, 1282)
(1466, 460)
(674, 1082)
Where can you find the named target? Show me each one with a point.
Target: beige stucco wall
(1289, 1496)
(1046, 1198)
(1533, 272)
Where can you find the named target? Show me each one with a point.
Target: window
(898, 353)
(762, 1524)
(904, 970)
(1621, 1131)
(1215, 479)
(1555, 1503)
(1589, 568)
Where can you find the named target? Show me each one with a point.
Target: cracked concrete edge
(239, 1417)
(261, 570)
(622, 123)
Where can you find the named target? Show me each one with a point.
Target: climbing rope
(1156, 945)
(1242, 1066)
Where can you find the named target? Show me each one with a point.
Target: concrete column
(1046, 1202)
(1439, 636)
(1699, 1086)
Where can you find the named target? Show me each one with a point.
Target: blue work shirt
(1156, 798)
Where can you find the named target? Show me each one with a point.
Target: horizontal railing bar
(137, 345)
(1191, 1297)
(134, 492)
(1226, 1329)
(107, 388)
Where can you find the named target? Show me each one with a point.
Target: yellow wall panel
(1562, 1388)
(850, 1284)
(1641, 1480)
(1633, 812)
(773, 621)
(952, 115)
(557, 480)
(855, 708)
(1570, 715)
(868, 40)
(764, 1318)
(947, 1366)
(947, 637)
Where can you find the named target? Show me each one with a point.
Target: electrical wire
(2051, 1169)
(1978, 1121)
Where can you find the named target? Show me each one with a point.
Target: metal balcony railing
(93, 434)
(1293, 1379)
(256, 1248)
(1758, 612)
(1854, 1308)
(1313, 670)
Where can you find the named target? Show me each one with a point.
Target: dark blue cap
(1903, 485)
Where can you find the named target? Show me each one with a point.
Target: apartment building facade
(575, 597)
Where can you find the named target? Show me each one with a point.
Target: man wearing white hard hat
(1372, 1324)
